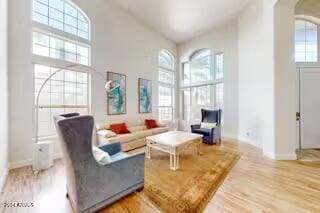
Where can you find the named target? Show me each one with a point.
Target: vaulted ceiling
(181, 20)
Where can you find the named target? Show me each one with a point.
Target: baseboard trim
(28, 162)
(3, 178)
(247, 140)
(20, 164)
(275, 156)
(230, 136)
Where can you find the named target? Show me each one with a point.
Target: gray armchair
(210, 136)
(90, 185)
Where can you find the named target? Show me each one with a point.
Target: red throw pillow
(151, 123)
(120, 128)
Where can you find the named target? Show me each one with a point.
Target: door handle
(297, 116)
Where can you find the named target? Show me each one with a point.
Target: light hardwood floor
(310, 155)
(255, 184)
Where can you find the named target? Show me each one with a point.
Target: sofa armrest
(195, 126)
(112, 148)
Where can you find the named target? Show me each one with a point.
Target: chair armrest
(195, 126)
(112, 148)
(112, 178)
(216, 132)
(131, 166)
(131, 158)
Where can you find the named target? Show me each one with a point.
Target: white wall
(3, 93)
(221, 39)
(120, 43)
(285, 83)
(256, 93)
(266, 77)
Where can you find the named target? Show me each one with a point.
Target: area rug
(190, 188)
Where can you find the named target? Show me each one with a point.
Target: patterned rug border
(204, 202)
(213, 190)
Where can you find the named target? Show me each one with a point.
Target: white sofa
(137, 136)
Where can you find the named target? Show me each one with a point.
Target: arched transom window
(306, 41)
(61, 15)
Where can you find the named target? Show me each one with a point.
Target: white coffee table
(172, 143)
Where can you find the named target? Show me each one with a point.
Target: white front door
(310, 107)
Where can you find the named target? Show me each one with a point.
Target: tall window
(306, 41)
(65, 92)
(166, 86)
(202, 84)
(60, 36)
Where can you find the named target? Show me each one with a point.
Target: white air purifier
(43, 155)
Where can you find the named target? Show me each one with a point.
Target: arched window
(306, 41)
(62, 15)
(202, 83)
(166, 86)
(60, 37)
(200, 67)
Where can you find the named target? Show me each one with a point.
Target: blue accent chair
(90, 185)
(210, 136)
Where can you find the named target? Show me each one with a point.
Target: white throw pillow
(106, 133)
(207, 125)
(101, 156)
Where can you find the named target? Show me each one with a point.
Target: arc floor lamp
(43, 155)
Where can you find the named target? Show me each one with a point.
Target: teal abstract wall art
(145, 96)
(117, 98)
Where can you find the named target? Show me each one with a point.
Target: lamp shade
(111, 85)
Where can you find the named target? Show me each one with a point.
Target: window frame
(318, 41)
(171, 86)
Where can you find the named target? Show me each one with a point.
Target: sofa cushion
(123, 138)
(146, 133)
(134, 121)
(136, 128)
(159, 130)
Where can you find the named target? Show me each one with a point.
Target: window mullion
(318, 43)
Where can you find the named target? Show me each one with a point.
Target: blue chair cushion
(205, 132)
(119, 156)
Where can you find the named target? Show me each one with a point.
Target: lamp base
(42, 155)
